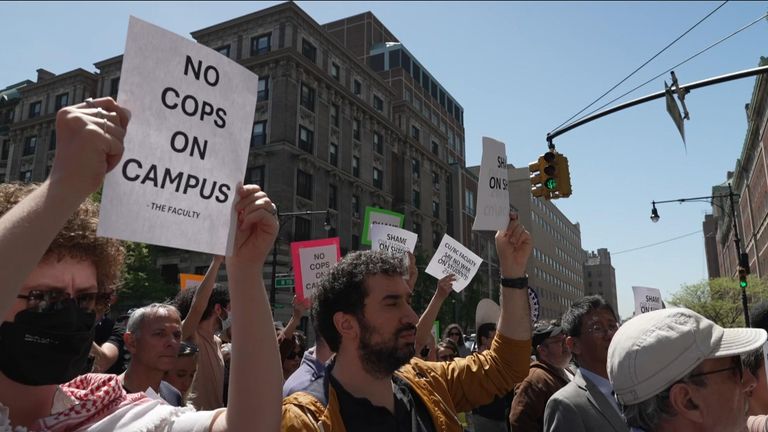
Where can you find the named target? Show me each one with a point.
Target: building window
(223, 50)
(435, 148)
(25, 176)
(355, 166)
(415, 168)
(62, 100)
(416, 198)
(435, 180)
(261, 44)
(415, 132)
(6, 150)
(378, 143)
(335, 71)
(307, 97)
(52, 140)
(30, 145)
(435, 239)
(333, 154)
(263, 93)
(378, 178)
(255, 175)
(417, 230)
(435, 209)
(114, 86)
(357, 88)
(259, 133)
(356, 129)
(378, 104)
(334, 115)
(332, 197)
(306, 139)
(303, 229)
(34, 109)
(309, 50)
(355, 242)
(356, 206)
(469, 202)
(303, 184)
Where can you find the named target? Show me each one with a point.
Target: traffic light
(562, 177)
(538, 189)
(742, 277)
(550, 176)
(549, 171)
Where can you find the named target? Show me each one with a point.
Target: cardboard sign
(392, 239)
(189, 280)
(186, 147)
(492, 188)
(453, 257)
(312, 259)
(647, 299)
(377, 216)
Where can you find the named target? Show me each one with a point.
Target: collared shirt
(310, 370)
(603, 385)
(359, 414)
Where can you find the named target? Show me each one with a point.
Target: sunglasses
(52, 300)
(187, 349)
(294, 355)
(454, 334)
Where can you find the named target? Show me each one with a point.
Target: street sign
(284, 282)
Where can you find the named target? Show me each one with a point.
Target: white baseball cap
(653, 350)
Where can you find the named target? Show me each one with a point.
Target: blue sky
(519, 69)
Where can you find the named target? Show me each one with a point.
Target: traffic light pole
(741, 259)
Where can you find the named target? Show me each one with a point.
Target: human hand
(299, 307)
(89, 143)
(413, 272)
(445, 286)
(257, 226)
(218, 259)
(514, 246)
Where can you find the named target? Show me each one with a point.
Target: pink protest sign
(312, 259)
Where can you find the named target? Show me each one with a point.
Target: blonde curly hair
(77, 239)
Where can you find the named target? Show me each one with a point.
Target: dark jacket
(531, 396)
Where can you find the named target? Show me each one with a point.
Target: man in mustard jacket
(374, 383)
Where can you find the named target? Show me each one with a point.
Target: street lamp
(741, 258)
(326, 226)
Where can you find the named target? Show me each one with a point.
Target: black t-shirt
(359, 414)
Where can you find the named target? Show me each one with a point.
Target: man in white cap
(674, 370)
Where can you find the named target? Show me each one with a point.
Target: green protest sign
(375, 215)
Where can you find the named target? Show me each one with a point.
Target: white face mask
(226, 323)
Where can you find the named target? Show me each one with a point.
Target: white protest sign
(313, 259)
(392, 239)
(492, 188)
(646, 299)
(452, 257)
(186, 147)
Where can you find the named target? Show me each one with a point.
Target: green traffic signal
(551, 184)
(743, 284)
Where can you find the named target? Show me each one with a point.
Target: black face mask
(51, 347)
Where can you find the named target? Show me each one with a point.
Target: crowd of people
(213, 359)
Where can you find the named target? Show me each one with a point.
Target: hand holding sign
(514, 247)
(492, 188)
(257, 226)
(453, 258)
(445, 286)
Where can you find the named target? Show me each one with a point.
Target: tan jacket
(445, 387)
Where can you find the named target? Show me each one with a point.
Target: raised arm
(299, 307)
(200, 301)
(90, 143)
(423, 328)
(255, 361)
(514, 246)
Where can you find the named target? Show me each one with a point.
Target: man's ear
(130, 342)
(684, 402)
(573, 345)
(347, 325)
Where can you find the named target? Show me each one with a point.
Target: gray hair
(140, 315)
(647, 414)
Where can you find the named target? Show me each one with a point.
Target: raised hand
(445, 286)
(257, 225)
(514, 246)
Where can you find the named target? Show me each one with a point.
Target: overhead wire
(642, 65)
(656, 244)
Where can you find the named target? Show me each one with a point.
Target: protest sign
(647, 299)
(377, 216)
(492, 188)
(189, 280)
(392, 239)
(186, 147)
(452, 257)
(312, 259)
(436, 331)
(534, 304)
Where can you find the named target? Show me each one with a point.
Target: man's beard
(382, 359)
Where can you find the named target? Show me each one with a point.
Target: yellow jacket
(445, 387)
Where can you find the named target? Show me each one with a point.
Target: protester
(312, 367)
(754, 362)
(447, 350)
(374, 383)
(456, 334)
(424, 335)
(153, 337)
(108, 350)
(50, 258)
(291, 352)
(182, 373)
(547, 376)
(205, 311)
(674, 370)
(492, 416)
(586, 403)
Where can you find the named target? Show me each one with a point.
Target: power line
(674, 67)
(656, 244)
(643, 65)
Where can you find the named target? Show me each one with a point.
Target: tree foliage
(719, 299)
(142, 282)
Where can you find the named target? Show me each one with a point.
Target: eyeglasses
(187, 349)
(42, 301)
(598, 330)
(294, 355)
(737, 366)
(454, 334)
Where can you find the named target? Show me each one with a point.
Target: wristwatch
(518, 283)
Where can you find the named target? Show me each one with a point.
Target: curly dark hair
(77, 239)
(573, 317)
(183, 300)
(343, 289)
